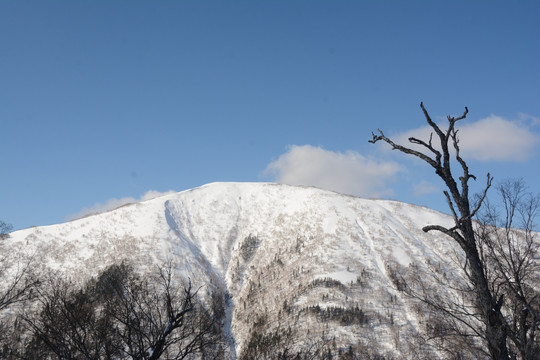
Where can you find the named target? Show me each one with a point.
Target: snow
(342, 276)
(315, 234)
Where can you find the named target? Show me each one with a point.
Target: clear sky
(103, 102)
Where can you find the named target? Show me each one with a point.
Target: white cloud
(115, 203)
(490, 139)
(349, 172)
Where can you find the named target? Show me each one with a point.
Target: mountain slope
(313, 260)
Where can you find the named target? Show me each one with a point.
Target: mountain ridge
(271, 247)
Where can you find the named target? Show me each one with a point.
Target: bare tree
(510, 254)
(4, 230)
(18, 285)
(66, 327)
(18, 282)
(441, 157)
(123, 316)
(15, 274)
(170, 321)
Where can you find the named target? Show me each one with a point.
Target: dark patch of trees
(326, 282)
(282, 343)
(248, 247)
(345, 316)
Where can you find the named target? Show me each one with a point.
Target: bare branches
(403, 149)
(454, 120)
(450, 232)
(4, 230)
(458, 200)
(20, 286)
(441, 163)
(483, 196)
(451, 206)
(121, 315)
(428, 145)
(439, 157)
(450, 319)
(441, 154)
(511, 255)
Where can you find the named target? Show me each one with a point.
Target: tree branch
(452, 232)
(403, 149)
(428, 145)
(484, 194)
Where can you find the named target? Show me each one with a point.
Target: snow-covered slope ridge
(271, 246)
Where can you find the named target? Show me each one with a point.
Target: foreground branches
(122, 316)
(510, 254)
(441, 153)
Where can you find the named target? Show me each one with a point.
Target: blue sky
(104, 101)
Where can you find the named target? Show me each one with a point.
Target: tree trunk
(495, 324)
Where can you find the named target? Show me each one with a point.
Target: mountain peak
(269, 246)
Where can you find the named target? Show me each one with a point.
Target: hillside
(319, 262)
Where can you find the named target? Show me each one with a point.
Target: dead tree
(439, 156)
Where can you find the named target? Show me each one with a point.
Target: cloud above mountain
(493, 138)
(115, 203)
(345, 172)
(490, 139)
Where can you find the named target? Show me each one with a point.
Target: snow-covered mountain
(319, 262)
